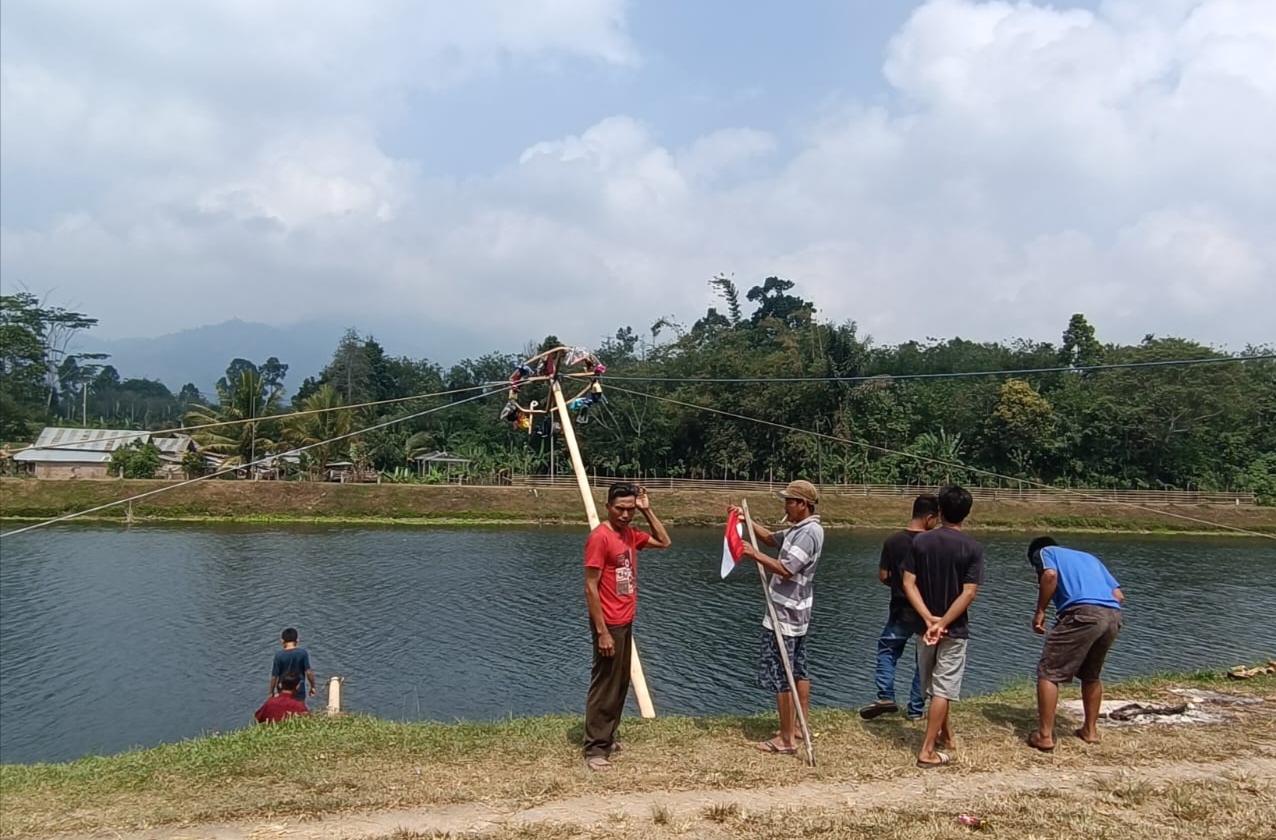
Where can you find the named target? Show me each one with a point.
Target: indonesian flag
(732, 543)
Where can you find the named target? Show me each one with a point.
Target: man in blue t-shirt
(1087, 604)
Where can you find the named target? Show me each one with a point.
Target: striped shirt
(800, 548)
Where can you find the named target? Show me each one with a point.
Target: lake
(112, 638)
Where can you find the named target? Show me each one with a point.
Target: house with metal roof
(86, 453)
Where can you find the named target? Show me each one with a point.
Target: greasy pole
(636, 677)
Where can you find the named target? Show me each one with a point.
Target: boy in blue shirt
(291, 660)
(1087, 603)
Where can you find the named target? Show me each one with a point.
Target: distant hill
(201, 354)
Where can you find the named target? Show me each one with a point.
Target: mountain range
(201, 354)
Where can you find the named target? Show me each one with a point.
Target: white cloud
(1031, 162)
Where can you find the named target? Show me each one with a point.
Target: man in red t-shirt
(611, 591)
(284, 704)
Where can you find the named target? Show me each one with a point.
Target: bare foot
(1039, 742)
(1088, 737)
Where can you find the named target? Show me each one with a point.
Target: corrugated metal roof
(62, 456)
(172, 445)
(92, 446)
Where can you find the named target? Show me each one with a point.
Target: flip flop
(944, 761)
(772, 747)
(1036, 745)
(1083, 739)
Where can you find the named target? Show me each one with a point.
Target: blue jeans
(890, 647)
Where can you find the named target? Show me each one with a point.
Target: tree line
(1202, 426)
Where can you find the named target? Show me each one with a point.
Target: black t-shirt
(944, 560)
(898, 548)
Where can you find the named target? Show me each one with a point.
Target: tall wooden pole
(779, 641)
(637, 679)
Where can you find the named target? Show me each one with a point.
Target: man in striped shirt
(792, 592)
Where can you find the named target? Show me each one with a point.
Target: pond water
(112, 638)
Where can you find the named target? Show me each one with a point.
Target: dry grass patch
(1216, 810)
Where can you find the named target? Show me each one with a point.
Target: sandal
(944, 761)
(773, 747)
(598, 764)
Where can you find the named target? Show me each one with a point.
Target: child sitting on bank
(284, 704)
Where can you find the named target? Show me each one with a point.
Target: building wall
(72, 470)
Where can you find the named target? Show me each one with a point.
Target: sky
(499, 171)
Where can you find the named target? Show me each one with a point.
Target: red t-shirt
(279, 707)
(617, 555)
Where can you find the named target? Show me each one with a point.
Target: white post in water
(637, 680)
(334, 695)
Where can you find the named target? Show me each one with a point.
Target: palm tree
(243, 405)
(318, 429)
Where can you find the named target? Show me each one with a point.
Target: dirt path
(475, 818)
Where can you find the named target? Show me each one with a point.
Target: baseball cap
(800, 489)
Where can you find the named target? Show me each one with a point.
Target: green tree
(1080, 348)
(243, 409)
(327, 420)
(136, 460)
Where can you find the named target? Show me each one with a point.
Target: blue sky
(412, 166)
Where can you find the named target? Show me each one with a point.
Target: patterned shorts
(771, 667)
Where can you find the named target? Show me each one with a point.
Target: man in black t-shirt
(902, 622)
(941, 578)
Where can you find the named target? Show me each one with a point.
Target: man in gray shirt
(792, 593)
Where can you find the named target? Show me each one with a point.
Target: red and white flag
(732, 543)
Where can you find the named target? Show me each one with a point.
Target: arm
(606, 646)
(769, 563)
(273, 680)
(1119, 595)
(659, 536)
(1048, 582)
(884, 577)
(915, 598)
(310, 675)
(964, 600)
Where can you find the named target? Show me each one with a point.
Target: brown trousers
(608, 687)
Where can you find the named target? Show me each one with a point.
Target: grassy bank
(28, 499)
(327, 766)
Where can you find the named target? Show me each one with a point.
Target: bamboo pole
(637, 679)
(779, 640)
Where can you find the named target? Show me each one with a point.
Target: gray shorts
(942, 667)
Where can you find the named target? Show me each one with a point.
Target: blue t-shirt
(1083, 579)
(295, 661)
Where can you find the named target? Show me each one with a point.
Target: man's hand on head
(641, 500)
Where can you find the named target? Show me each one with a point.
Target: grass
(269, 502)
(317, 766)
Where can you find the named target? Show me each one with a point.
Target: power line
(939, 462)
(890, 377)
(269, 417)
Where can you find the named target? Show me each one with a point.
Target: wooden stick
(779, 640)
(637, 679)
